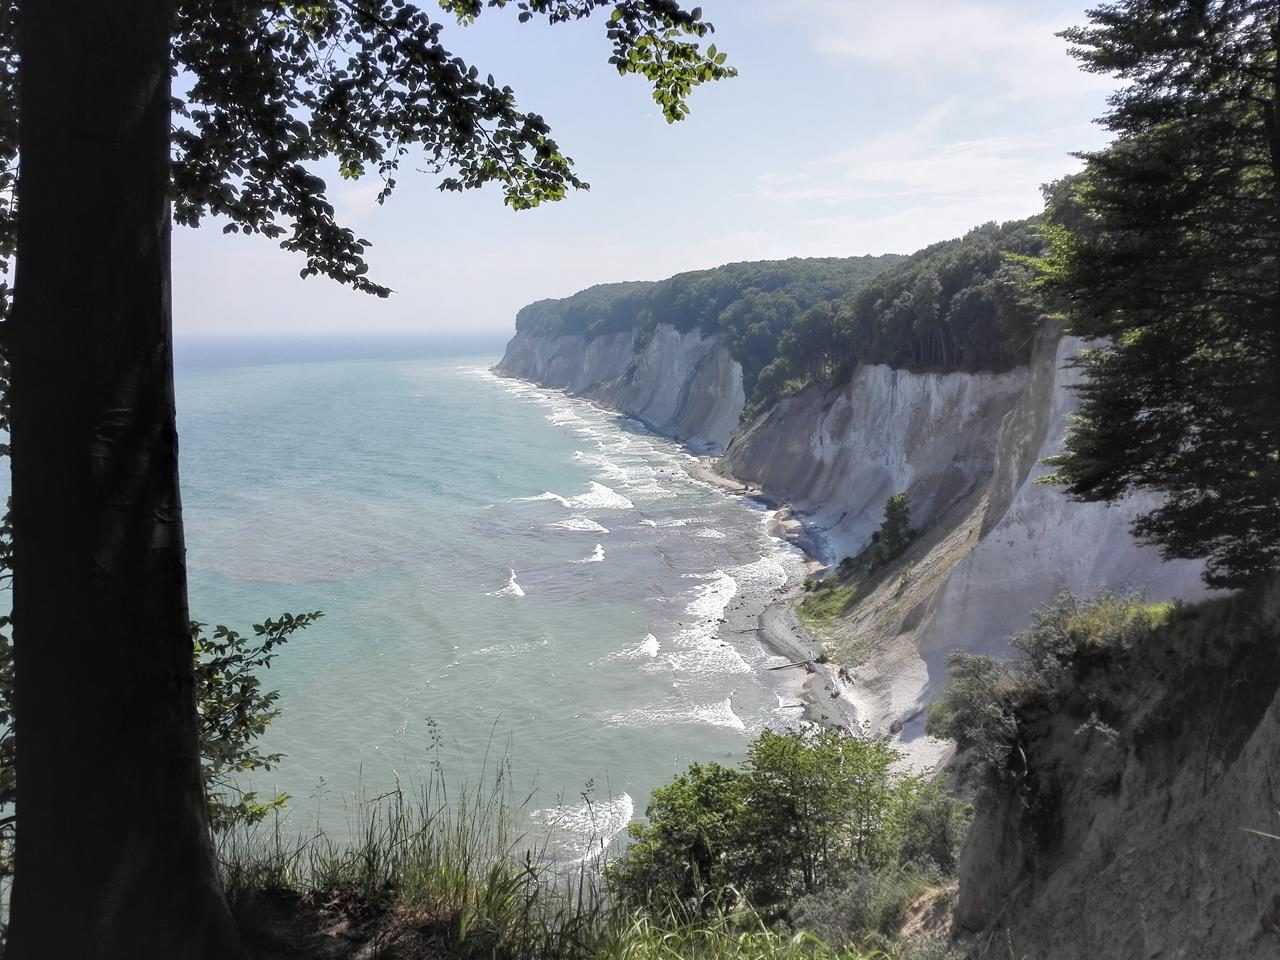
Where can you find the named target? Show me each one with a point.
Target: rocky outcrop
(1153, 835)
(683, 385)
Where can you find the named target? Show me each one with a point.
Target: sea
(507, 575)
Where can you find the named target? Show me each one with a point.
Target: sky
(854, 127)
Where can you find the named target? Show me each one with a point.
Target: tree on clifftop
(1167, 250)
(113, 857)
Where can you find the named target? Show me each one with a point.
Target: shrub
(235, 711)
(864, 903)
(802, 813)
(684, 854)
(934, 825)
(985, 698)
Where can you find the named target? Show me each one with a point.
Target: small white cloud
(1012, 47)
(916, 165)
(355, 201)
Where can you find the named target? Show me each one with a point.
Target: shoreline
(824, 696)
(819, 686)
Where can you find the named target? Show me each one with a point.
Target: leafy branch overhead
(270, 87)
(234, 711)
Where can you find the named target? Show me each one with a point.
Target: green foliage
(648, 37)
(865, 905)
(804, 811)
(1166, 252)
(957, 305)
(986, 699)
(234, 711)
(751, 305)
(828, 600)
(684, 853)
(978, 712)
(934, 826)
(274, 87)
(451, 864)
(834, 594)
(895, 532)
(815, 803)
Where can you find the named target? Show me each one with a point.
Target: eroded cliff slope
(964, 447)
(1138, 815)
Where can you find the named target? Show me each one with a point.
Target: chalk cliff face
(1035, 541)
(964, 447)
(682, 385)
(837, 455)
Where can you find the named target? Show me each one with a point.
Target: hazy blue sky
(854, 127)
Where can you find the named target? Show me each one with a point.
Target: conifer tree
(1166, 253)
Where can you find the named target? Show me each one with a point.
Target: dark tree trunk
(113, 850)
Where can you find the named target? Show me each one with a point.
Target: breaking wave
(597, 555)
(716, 714)
(585, 829)
(512, 589)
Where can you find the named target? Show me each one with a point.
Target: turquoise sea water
(514, 570)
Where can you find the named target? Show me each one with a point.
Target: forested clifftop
(747, 307)
(756, 333)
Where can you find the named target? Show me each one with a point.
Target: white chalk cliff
(965, 447)
(1140, 839)
(682, 385)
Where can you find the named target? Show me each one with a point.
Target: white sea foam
(696, 649)
(711, 599)
(646, 649)
(649, 489)
(716, 714)
(562, 415)
(597, 555)
(599, 497)
(604, 467)
(710, 534)
(507, 649)
(675, 522)
(585, 829)
(580, 524)
(767, 573)
(544, 495)
(512, 589)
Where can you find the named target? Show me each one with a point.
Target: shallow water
(500, 566)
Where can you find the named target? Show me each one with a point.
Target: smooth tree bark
(113, 851)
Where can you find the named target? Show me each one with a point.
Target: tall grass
(469, 864)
